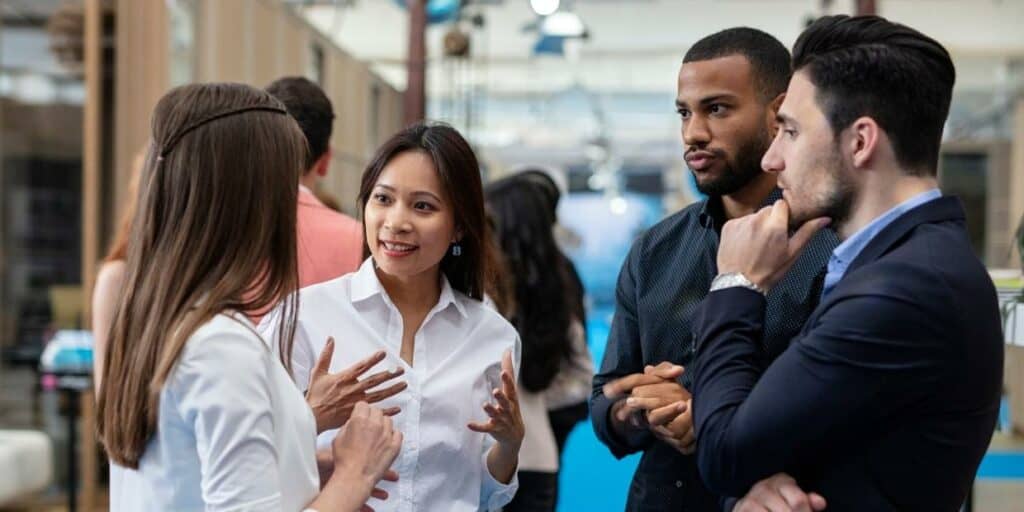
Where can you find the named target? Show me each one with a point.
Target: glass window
(41, 96)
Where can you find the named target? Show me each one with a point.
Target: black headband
(184, 131)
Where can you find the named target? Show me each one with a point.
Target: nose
(396, 220)
(772, 160)
(696, 131)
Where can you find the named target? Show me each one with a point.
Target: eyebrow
(389, 188)
(710, 99)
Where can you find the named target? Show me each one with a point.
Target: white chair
(30, 456)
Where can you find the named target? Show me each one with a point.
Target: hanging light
(563, 24)
(544, 7)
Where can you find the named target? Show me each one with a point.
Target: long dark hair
(474, 271)
(214, 231)
(545, 292)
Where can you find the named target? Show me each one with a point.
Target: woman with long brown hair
(419, 297)
(110, 277)
(192, 398)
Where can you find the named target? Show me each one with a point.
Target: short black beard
(742, 170)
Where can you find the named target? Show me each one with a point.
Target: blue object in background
(549, 45)
(438, 11)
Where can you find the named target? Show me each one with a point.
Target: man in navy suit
(888, 397)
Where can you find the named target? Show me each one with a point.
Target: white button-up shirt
(456, 364)
(232, 432)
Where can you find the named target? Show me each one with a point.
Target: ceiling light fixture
(544, 7)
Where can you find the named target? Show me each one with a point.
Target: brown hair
(474, 273)
(214, 232)
(118, 250)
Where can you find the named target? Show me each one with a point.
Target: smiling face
(815, 178)
(410, 223)
(726, 124)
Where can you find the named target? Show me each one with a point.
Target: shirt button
(679, 484)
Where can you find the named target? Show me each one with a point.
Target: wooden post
(415, 91)
(866, 7)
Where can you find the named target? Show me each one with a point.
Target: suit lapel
(946, 208)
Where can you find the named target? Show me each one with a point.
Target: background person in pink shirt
(330, 244)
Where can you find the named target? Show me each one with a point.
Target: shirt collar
(847, 251)
(306, 196)
(712, 214)
(365, 284)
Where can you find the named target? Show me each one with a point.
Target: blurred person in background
(545, 311)
(568, 394)
(730, 86)
(419, 300)
(193, 401)
(330, 243)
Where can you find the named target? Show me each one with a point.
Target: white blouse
(456, 363)
(233, 432)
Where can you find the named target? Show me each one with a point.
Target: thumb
(804, 234)
(324, 363)
(817, 501)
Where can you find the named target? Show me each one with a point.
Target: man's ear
(864, 141)
(323, 163)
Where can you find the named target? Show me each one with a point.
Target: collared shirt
(456, 363)
(666, 275)
(848, 251)
(232, 433)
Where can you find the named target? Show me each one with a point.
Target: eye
(717, 108)
(791, 133)
(683, 113)
(381, 198)
(423, 206)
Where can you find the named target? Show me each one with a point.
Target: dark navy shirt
(665, 277)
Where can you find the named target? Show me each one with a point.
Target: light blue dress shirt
(848, 251)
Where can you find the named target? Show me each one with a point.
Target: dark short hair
(311, 108)
(870, 66)
(474, 271)
(768, 58)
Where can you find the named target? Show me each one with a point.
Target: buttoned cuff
(494, 494)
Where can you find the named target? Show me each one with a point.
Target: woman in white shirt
(419, 298)
(193, 402)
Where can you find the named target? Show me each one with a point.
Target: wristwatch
(734, 279)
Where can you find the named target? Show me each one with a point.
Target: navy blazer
(886, 400)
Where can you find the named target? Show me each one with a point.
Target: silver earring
(456, 250)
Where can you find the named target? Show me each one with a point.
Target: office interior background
(581, 88)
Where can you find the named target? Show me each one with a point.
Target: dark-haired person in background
(545, 311)
(330, 243)
(730, 87)
(888, 397)
(567, 396)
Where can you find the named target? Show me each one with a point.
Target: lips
(397, 249)
(699, 160)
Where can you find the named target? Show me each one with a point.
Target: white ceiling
(636, 45)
